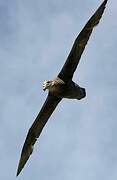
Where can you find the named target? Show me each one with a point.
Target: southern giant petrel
(61, 87)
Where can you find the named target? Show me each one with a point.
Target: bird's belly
(56, 90)
(68, 92)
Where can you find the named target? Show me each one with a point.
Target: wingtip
(24, 158)
(18, 172)
(20, 167)
(105, 2)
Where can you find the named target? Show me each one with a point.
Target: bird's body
(61, 87)
(69, 90)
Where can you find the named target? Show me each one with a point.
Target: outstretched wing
(36, 128)
(72, 61)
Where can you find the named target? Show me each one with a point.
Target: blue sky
(79, 140)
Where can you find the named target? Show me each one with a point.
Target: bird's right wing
(72, 61)
(36, 129)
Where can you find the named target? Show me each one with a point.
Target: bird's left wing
(36, 128)
(73, 59)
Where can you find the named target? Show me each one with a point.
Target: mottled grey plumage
(61, 87)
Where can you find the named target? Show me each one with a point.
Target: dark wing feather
(36, 128)
(72, 61)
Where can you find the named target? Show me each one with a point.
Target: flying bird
(61, 87)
